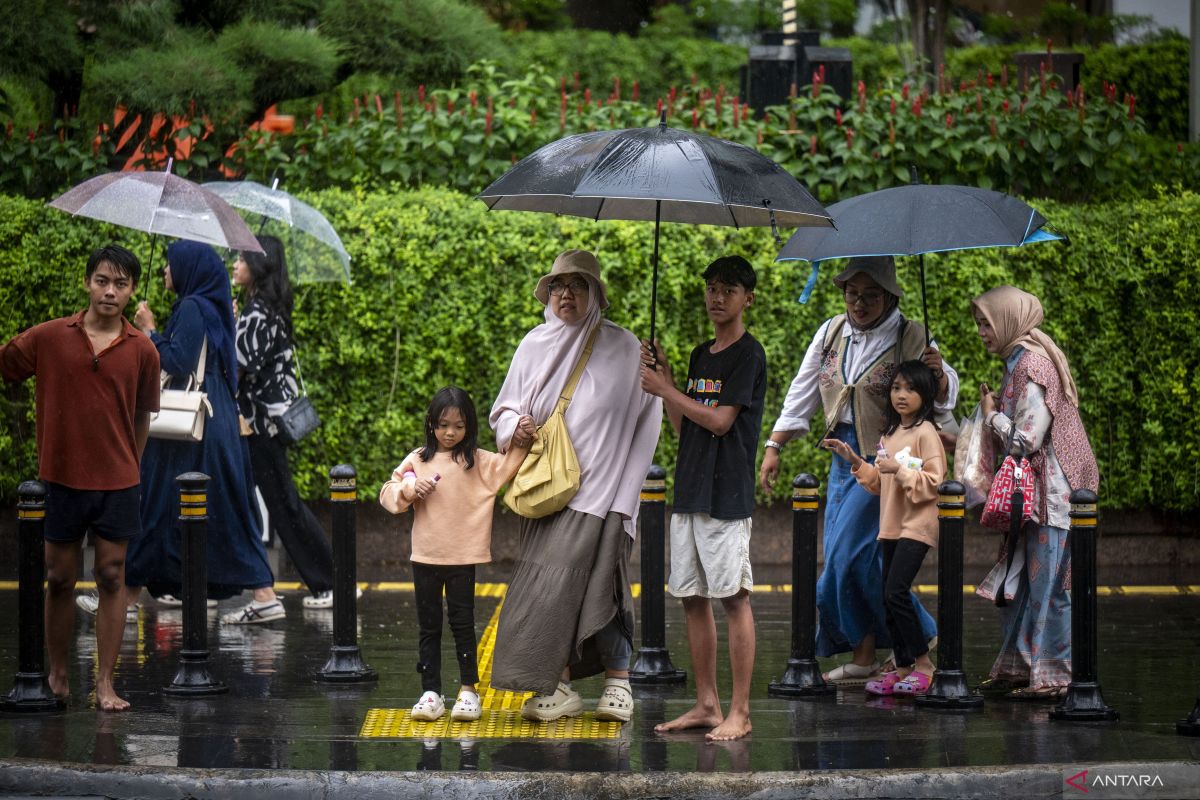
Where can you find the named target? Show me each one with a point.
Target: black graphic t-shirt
(714, 474)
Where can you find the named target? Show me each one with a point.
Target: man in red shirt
(97, 385)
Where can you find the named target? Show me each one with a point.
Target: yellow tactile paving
(501, 717)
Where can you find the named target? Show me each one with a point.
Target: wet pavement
(275, 717)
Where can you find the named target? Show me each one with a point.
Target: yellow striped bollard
(949, 687)
(192, 679)
(653, 664)
(345, 664)
(1084, 702)
(31, 693)
(802, 678)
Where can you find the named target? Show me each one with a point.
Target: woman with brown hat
(568, 611)
(848, 370)
(1035, 415)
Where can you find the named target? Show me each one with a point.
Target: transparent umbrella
(315, 251)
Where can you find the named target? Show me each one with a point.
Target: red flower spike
(812, 145)
(949, 121)
(979, 103)
(1049, 47)
(891, 132)
(378, 106)
(575, 84)
(636, 91)
(849, 139)
(473, 97)
(658, 110)
(892, 107)
(617, 86)
(487, 120)
(1004, 106)
(421, 93)
(760, 136)
(837, 115)
(1179, 148)
(904, 93)
(533, 117)
(695, 118)
(992, 126)
(449, 106)
(320, 110)
(989, 80)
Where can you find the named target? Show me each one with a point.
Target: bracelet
(774, 444)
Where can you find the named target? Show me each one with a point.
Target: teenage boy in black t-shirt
(718, 418)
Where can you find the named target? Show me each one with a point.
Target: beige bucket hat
(881, 269)
(573, 261)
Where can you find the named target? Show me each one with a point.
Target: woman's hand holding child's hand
(525, 433)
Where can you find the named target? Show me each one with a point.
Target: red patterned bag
(1012, 476)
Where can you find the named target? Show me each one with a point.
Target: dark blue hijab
(198, 274)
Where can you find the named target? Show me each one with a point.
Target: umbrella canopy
(660, 174)
(159, 202)
(306, 263)
(914, 220)
(918, 219)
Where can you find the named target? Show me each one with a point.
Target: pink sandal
(884, 684)
(916, 684)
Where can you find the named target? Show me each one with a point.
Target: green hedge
(442, 293)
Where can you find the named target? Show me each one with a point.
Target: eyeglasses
(576, 285)
(866, 298)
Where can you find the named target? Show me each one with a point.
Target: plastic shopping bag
(974, 455)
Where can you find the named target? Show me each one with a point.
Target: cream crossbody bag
(182, 412)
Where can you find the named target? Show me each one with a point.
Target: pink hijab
(614, 425)
(1014, 316)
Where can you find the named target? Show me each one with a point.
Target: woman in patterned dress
(1035, 413)
(267, 386)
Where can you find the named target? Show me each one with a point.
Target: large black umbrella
(660, 174)
(917, 219)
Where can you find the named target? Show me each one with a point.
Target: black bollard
(345, 664)
(803, 675)
(949, 689)
(193, 679)
(1083, 702)
(31, 693)
(653, 663)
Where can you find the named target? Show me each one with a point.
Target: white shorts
(709, 557)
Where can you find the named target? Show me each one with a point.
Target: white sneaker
(325, 599)
(431, 706)
(466, 707)
(89, 603)
(176, 602)
(255, 612)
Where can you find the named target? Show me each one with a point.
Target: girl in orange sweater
(451, 486)
(909, 466)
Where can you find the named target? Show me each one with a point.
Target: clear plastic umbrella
(159, 203)
(321, 261)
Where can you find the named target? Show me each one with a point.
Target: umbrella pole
(925, 302)
(654, 283)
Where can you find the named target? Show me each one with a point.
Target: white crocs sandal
(429, 707)
(565, 702)
(466, 707)
(616, 701)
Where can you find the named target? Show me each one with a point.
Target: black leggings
(459, 583)
(901, 561)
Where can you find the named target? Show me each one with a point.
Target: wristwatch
(774, 444)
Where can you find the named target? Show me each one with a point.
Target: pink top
(453, 525)
(908, 499)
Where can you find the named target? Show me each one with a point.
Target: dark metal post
(31, 693)
(949, 688)
(653, 663)
(345, 664)
(193, 679)
(1083, 702)
(803, 675)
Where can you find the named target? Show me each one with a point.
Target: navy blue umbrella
(661, 174)
(914, 220)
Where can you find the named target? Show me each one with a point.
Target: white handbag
(182, 412)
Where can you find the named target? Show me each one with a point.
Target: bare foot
(697, 717)
(107, 700)
(59, 685)
(735, 726)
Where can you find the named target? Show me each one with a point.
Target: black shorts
(113, 515)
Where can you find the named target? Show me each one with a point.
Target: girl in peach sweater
(451, 486)
(910, 464)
